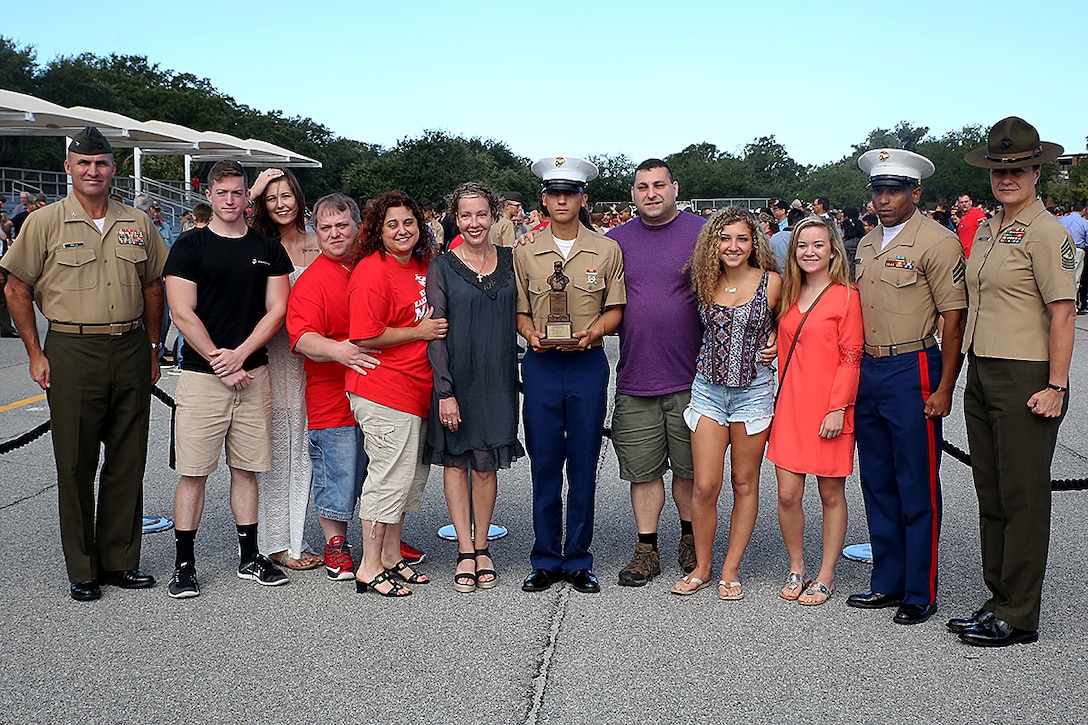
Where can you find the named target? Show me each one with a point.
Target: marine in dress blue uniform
(566, 384)
(910, 271)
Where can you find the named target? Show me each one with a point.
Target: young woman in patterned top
(734, 276)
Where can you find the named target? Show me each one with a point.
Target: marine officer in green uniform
(95, 266)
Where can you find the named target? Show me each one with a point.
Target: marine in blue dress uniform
(910, 272)
(565, 383)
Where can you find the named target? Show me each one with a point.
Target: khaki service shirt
(81, 275)
(1017, 268)
(502, 232)
(595, 270)
(910, 282)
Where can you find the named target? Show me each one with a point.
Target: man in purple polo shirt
(659, 342)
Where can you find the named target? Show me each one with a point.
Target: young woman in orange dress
(819, 367)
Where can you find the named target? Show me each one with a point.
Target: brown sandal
(308, 560)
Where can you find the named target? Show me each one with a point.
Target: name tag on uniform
(1012, 235)
(71, 245)
(132, 237)
(899, 262)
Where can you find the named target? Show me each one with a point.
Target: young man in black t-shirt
(228, 288)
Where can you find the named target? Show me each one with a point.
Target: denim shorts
(752, 404)
(339, 465)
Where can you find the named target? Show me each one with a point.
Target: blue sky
(640, 78)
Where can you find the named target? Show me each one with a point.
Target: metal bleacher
(173, 197)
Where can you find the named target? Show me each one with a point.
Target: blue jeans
(339, 465)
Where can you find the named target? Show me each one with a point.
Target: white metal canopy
(25, 115)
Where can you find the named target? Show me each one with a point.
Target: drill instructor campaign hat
(1013, 142)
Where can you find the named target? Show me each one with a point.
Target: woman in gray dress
(474, 409)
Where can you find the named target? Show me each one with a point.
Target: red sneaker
(338, 563)
(411, 554)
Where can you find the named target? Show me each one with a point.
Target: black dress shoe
(585, 581)
(540, 580)
(958, 624)
(873, 600)
(996, 632)
(86, 591)
(129, 579)
(914, 613)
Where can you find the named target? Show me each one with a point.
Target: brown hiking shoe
(644, 566)
(686, 555)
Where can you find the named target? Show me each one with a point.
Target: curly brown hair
(370, 233)
(705, 267)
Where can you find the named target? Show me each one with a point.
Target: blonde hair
(795, 276)
(704, 265)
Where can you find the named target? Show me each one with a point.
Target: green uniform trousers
(100, 397)
(1011, 452)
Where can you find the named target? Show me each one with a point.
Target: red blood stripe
(923, 371)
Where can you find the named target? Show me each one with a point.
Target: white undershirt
(101, 224)
(564, 245)
(889, 234)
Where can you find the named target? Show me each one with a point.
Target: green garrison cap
(90, 142)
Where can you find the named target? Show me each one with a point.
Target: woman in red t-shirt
(387, 305)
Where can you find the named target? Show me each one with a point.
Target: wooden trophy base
(558, 334)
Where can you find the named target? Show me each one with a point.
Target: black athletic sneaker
(184, 585)
(262, 571)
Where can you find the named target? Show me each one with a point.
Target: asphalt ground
(315, 651)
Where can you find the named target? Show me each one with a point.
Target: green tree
(903, 136)
(433, 164)
(617, 173)
(19, 72)
(952, 176)
(769, 169)
(842, 182)
(18, 67)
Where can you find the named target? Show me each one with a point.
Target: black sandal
(489, 583)
(464, 582)
(396, 589)
(415, 578)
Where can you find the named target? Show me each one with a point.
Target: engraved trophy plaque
(558, 329)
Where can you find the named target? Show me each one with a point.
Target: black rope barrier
(1065, 484)
(163, 397)
(26, 438)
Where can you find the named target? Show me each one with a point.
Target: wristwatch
(1059, 388)
(156, 345)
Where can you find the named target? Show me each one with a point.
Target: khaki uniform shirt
(502, 232)
(82, 275)
(907, 284)
(1012, 275)
(595, 270)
